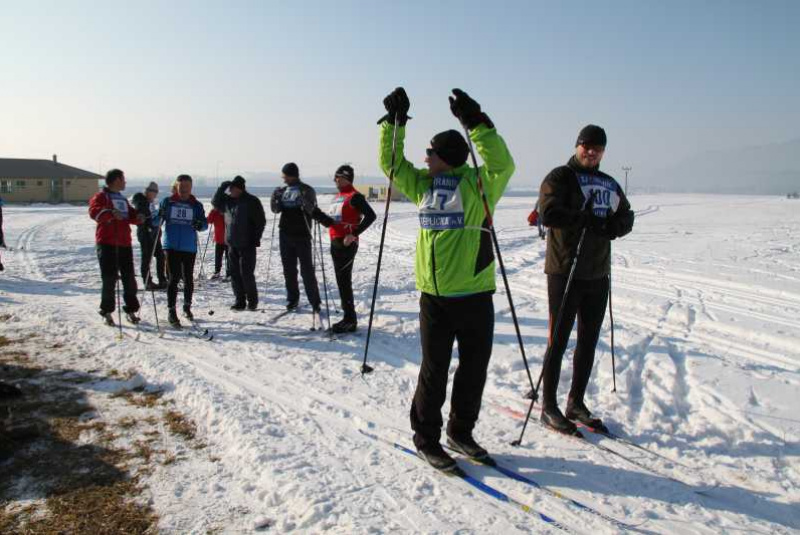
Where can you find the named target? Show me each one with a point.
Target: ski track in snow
(708, 374)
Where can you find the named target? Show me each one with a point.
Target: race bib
(602, 191)
(291, 198)
(121, 204)
(441, 207)
(154, 214)
(182, 214)
(335, 211)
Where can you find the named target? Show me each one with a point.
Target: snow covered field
(706, 295)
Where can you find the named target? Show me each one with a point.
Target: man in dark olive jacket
(573, 197)
(244, 225)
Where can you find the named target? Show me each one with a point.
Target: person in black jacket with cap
(244, 226)
(573, 197)
(295, 202)
(149, 237)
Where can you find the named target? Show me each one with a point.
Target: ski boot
(578, 412)
(173, 318)
(435, 456)
(238, 307)
(132, 317)
(344, 326)
(553, 419)
(291, 305)
(108, 318)
(187, 311)
(467, 446)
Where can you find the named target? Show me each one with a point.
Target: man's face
(436, 165)
(589, 155)
(289, 179)
(118, 184)
(341, 182)
(151, 195)
(235, 192)
(184, 190)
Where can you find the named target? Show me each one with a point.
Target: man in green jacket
(454, 267)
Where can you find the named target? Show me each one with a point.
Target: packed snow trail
(708, 374)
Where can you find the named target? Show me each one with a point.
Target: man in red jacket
(216, 218)
(114, 215)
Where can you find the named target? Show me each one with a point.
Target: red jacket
(111, 231)
(345, 216)
(218, 220)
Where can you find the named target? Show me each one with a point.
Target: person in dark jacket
(114, 215)
(2, 238)
(573, 197)
(244, 226)
(183, 217)
(149, 236)
(349, 215)
(294, 202)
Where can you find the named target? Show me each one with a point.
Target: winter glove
(467, 111)
(197, 224)
(397, 105)
(533, 218)
(619, 225)
(277, 194)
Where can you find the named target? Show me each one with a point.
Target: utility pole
(626, 169)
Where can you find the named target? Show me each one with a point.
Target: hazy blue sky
(159, 88)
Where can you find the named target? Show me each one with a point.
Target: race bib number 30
(441, 207)
(602, 192)
(181, 214)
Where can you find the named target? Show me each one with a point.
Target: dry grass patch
(179, 425)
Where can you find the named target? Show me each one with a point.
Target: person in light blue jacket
(183, 217)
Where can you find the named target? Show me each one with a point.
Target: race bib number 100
(602, 192)
(441, 207)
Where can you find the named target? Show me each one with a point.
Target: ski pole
(365, 368)
(117, 277)
(324, 280)
(534, 394)
(490, 224)
(202, 271)
(611, 317)
(269, 256)
(322, 261)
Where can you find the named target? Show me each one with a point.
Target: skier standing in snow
(244, 226)
(573, 197)
(216, 219)
(2, 238)
(114, 216)
(150, 237)
(183, 217)
(294, 202)
(454, 268)
(349, 215)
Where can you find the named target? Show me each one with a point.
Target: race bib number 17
(441, 207)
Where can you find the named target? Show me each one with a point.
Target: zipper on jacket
(433, 261)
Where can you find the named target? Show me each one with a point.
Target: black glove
(277, 194)
(225, 185)
(397, 105)
(197, 224)
(468, 111)
(258, 243)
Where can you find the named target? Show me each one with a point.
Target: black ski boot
(291, 305)
(578, 412)
(108, 318)
(344, 326)
(173, 318)
(187, 311)
(552, 418)
(435, 456)
(466, 445)
(238, 307)
(132, 317)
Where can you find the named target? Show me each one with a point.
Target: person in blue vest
(183, 217)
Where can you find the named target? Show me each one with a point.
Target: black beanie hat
(451, 147)
(238, 182)
(290, 169)
(346, 172)
(591, 135)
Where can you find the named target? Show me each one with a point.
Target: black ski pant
(114, 260)
(147, 241)
(220, 251)
(243, 279)
(180, 265)
(469, 320)
(294, 249)
(343, 258)
(586, 300)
